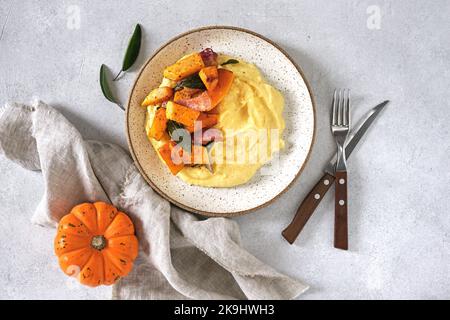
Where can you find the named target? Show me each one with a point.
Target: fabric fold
(181, 256)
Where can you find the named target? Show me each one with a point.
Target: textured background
(399, 194)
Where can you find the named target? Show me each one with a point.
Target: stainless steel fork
(340, 126)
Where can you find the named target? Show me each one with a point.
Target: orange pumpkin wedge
(166, 154)
(158, 96)
(206, 121)
(226, 78)
(185, 67)
(185, 94)
(96, 243)
(159, 125)
(181, 114)
(198, 155)
(210, 77)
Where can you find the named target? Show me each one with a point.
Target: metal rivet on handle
(326, 182)
(341, 202)
(342, 181)
(317, 196)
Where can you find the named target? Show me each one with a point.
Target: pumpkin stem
(98, 243)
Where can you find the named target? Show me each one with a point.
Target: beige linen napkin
(181, 256)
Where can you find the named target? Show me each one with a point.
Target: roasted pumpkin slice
(159, 124)
(204, 121)
(181, 114)
(166, 154)
(210, 77)
(185, 67)
(157, 96)
(185, 94)
(226, 78)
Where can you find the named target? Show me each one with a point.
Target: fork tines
(341, 108)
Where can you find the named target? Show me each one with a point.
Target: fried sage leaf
(104, 84)
(231, 61)
(179, 135)
(192, 82)
(172, 126)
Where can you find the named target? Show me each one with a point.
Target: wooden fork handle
(307, 208)
(341, 208)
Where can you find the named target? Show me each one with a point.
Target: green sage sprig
(132, 53)
(105, 86)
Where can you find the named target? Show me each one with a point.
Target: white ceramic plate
(279, 70)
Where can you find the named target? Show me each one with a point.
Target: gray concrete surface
(399, 194)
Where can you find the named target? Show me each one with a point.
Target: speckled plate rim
(216, 214)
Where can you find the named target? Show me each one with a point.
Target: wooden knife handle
(340, 213)
(307, 208)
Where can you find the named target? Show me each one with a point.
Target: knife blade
(312, 200)
(357, 134)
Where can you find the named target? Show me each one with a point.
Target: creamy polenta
(251, 120)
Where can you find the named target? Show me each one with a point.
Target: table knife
(314, 197)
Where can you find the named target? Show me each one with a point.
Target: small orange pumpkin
(97, 241)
